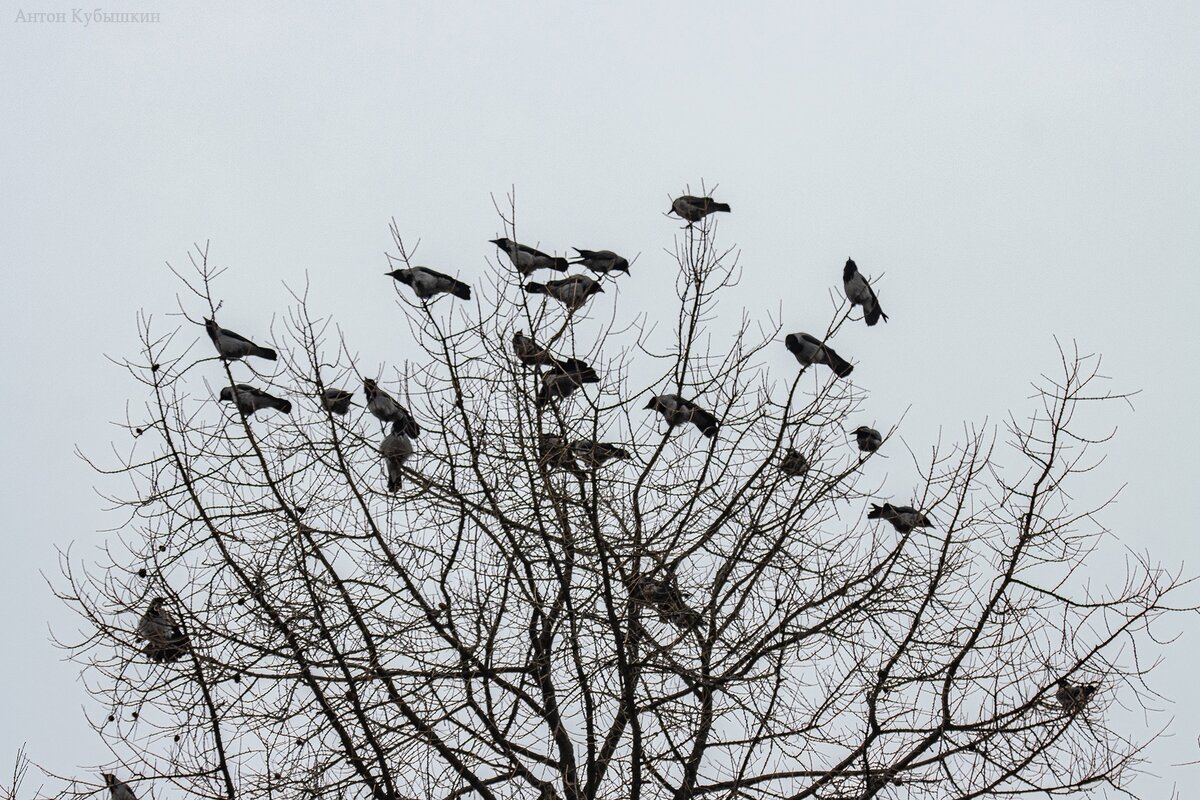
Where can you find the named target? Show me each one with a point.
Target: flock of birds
(166, 641)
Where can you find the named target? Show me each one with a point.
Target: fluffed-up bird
(530, 352)
(396, 448)
(664, 596)
(869, 440)
(1074, 696)
(793, 464)
(676, 411)
(572, 292)
(562, 379)
(903, 518)
(526, 259)
(165, 640)
(555, 453)
(427, 283)
(248, 399)
(386, 409)
(602, 261)
(117, 789)
(860, 293)
(232, 345)
(694, 209)
(337, 401)
(596, 454)
(810, 350)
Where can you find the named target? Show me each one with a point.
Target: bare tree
(559, 595)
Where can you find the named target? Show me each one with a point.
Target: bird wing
(231, 335)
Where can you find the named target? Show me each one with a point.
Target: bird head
(370, 386)
(502, 242)
(653, 404)
(156, 603)
(109, 778)
(226, 395)
(402, 275)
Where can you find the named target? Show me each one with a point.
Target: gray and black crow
(860, 293)
(1074, 696)
(164, 639)
(602, 261)
(572, 292)
(811, 350)
(386, 409)
(597, 454)
(676, 411)
(664, 596)
(869, 440)
(248, 399)
(117, 789)
(903, 518)
(694, 209)
(427, 283)
(526, 259)
(530, 352)
(554, 453)
(231, 345)
(793, 464)
(563, 378)
(337, 401)
(396, 448)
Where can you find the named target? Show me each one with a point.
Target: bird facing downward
(232, 346)
(396, 448)
(860, 293)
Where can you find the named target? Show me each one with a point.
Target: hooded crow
(231, 345)
(164, 639)
(530, 352)
(811, 350)
(563, 379)
(386, 409)
(554, 453)
(427, 283)
(665, 597)
(903, 518)
(526, 259)
(860, 293)
(676, 411)
(572, 292)
(602, 261)
(336, 401)
(1074, 696)
(694, 209)
(596, 454)
(793, 464)
(117, 790)
(248, 399)
(869, 439)
(396, 448)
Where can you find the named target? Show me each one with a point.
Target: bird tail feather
(840, 366)
(267, 353)
(462, 291)
(535, 288)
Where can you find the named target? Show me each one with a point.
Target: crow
(602, 261)
(869, 439)
(165, 641)
(396, 448)
(664, 596)
(860, 293)
(427, 283)
(676, 411)
(793, 464)
(248, 399)
(117, 790)
(386, 409)
(597, 454)
(811, 350)
(563, 379)
(572, 292)
(530, 352)
(694, 209)
(1074, 696)
(554, 453)
(903, 518)
(232, 346)
(526, 259)
(337, 401)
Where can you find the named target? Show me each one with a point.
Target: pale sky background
(1020, 171)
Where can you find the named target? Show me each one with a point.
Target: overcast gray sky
(1019, 171)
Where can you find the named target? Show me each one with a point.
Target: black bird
(602, 261)
(386, 409)
(793, 464)
(555, 453)
(903, 518)
(860, 293)
(427, 283)
(337, 401)
(231, 345)
(526, 259)
(572, 292)
(811, 350)
(117, 790)
(165, 641)
(248, 399)
(694, 209)
(869, 439)
(597, 454)
(665, 597)
(396, 448)
(676, 411)
(530, 352)
(563, 379)
(1074, 696)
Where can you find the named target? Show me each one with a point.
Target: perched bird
(526, 259)
(562, 379)
(530, 352)
(386, 409)
(665, 597)
(694, 209)
(554, 453)
(602, 261)
(597, 454)
(427, 283)
(793, 464)
(117, 790)
(811, 350)
(231, 345)
(165, 641)
(860, 293)
(903, 518)
(869, 439)
(396, 448)
(676, 411)
(337, 401)
(1074, 696)
(248, 399)
(572, 292)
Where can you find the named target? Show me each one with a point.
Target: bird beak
(600, 289)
